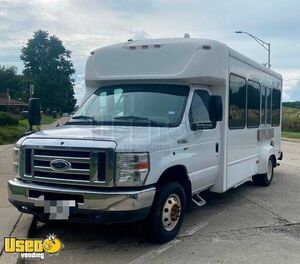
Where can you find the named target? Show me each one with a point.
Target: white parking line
(155, 252)
(193, 229)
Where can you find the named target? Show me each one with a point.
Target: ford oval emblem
(60, 164)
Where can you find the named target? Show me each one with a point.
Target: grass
(47, 120)
(291, 122)
(10, 134)
(290, 134)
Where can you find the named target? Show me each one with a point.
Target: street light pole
(265, 45)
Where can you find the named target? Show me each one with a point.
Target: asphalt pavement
(12, 222)
(248, 224)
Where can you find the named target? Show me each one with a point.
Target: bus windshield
(134, 104)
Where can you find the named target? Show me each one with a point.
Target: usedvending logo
(33, 248)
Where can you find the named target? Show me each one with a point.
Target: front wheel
(266, 178)
(167, 212)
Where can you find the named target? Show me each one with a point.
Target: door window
(199, 112)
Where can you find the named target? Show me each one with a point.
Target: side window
(237, 102)
(263, 106)
(253, 104)
(268, 105)
(276, 103)
(199, 111)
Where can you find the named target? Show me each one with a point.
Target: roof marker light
(144, 46)
(206, 47)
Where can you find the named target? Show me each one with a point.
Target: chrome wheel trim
(270, 169)
(171, 212)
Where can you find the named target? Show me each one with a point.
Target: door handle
(182, 141)
(217, 147)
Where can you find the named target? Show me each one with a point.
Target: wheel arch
(266, 153)
(177, 173)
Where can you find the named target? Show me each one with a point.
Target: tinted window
(199, 113)
(253, 104)
(268, 105)
(237, 102)
(263, 106)
(276, 99)
(134, 104)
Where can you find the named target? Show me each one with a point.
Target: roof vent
(187, 35)
(129, 40)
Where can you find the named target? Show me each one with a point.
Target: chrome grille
(79, 160)
(85, 166)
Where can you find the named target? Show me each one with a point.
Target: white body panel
(202, 64)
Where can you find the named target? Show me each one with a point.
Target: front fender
(265, 153)
(161, 161)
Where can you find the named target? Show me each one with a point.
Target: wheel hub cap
(171, 212)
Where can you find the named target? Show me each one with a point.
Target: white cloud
(291, 79)
(86, 25)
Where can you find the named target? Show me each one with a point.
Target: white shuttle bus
(162, 121)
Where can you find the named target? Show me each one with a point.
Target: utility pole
(264, 44)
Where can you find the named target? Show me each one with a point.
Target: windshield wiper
(83, 117)
(131, 117)
(139, 119)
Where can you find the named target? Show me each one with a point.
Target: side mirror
(24, 114)
(215, 108)
(34, 112)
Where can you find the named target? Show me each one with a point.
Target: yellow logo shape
(52, 244)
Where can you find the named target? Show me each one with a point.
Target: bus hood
(127, 138)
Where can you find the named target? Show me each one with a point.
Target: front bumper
(104, 206)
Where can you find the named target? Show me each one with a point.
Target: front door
(204, 137)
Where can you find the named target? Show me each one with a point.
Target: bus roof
(196, 60)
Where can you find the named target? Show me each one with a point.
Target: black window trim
(280, 108)
(265, 106)
(250, 80)
(214, 124)
(245, 117)
(271, 92)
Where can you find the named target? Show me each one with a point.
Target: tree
(48, 64)
(15, 83)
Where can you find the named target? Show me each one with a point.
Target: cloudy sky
(89, 24)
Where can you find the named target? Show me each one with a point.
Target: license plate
(58, 209)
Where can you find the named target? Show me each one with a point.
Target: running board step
(198, 200)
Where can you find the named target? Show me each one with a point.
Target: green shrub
(291, 119)
(7, 119)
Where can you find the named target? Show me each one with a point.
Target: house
(11, 105)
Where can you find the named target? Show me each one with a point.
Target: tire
(167, 213)
(266, 178)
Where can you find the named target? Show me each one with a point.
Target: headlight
(132, 168)
(16, 160)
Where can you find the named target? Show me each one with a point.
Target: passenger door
(205, 142)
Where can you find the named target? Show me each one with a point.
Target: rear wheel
(266, 178)
(167, 212)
